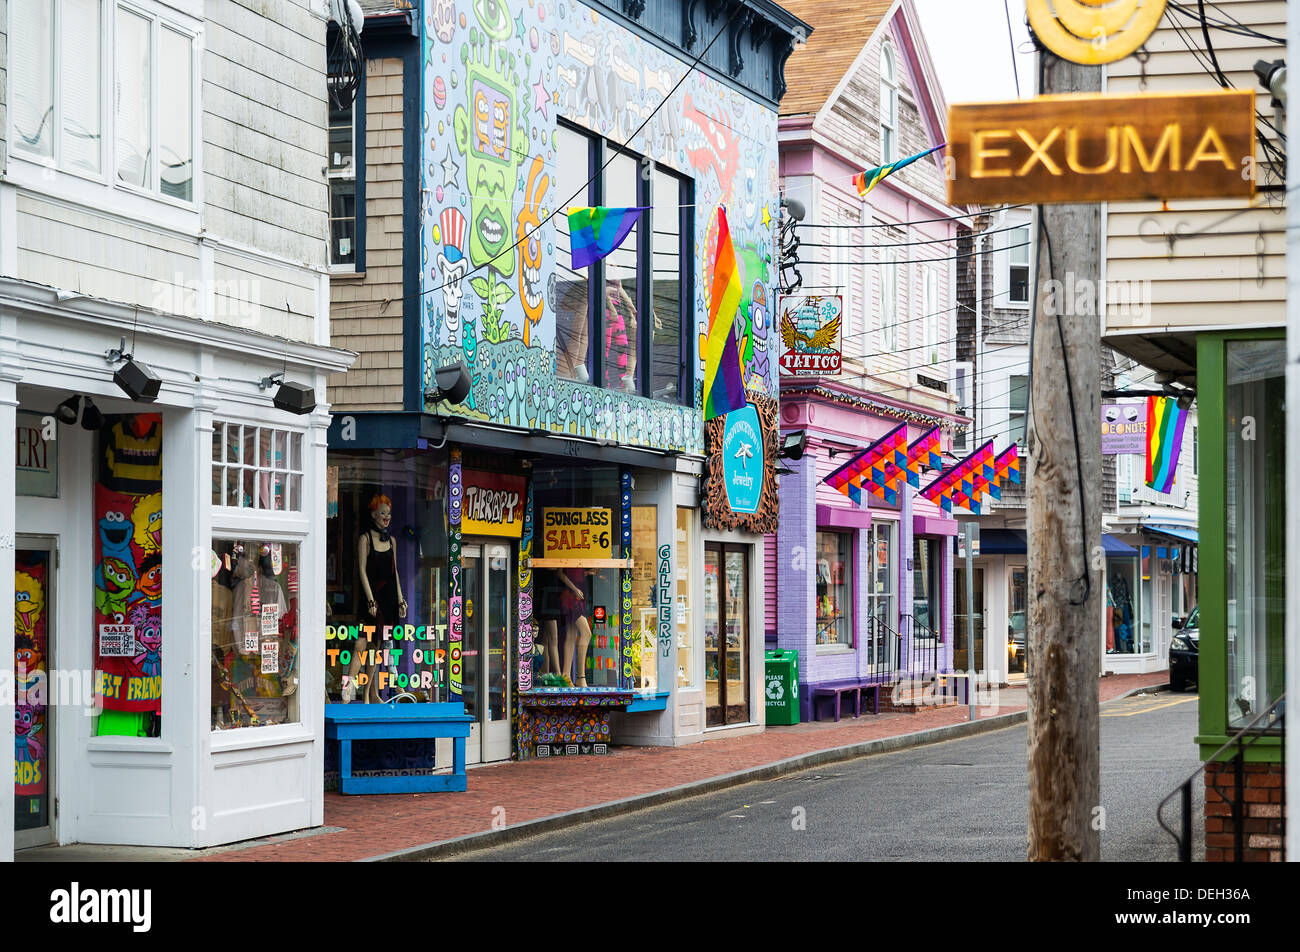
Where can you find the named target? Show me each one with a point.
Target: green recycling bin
(782, 686)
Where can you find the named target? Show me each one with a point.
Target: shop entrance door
(487, 574)
(726, 634)
(34, 572)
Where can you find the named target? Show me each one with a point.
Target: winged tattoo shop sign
(810, 335)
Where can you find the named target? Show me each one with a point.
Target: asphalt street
(962, 800)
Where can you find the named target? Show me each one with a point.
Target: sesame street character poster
(128, 560)
(31, 644)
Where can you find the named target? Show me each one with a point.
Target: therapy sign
(577, 533)
(1102, 148)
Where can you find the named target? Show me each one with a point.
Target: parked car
(1185, 651)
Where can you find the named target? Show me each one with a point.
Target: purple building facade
(864, 591)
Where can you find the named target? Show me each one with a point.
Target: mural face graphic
(147, 518)
(528, 234)
(499, 75)
(29, 603)
(490, 135)
(117, 582)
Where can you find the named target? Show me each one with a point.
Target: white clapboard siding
(1216, 280)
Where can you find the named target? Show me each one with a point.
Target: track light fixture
(68, 411)
(91, 418)
(289, 396)
(135, 379)
(452, 383)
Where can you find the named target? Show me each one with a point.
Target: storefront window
(128, 576)
(834, 591)
(968, 631)
(255, 673)
(685, 561)
(386, 585)
(1017, 618)
(1122, 621)
(1255, 579)
(645, 597)
(576, 585)
(925, 587)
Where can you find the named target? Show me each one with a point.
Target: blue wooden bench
(348, 722)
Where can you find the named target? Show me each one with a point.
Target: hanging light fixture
(68, 411)
(91, 418)
(289, 396)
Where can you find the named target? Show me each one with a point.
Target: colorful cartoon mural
(498, 75)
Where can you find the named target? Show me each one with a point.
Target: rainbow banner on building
(1165, 424)
(724, 385)
(1007, 464)
(965, 483)
(924, 453)
(864, 182)
(878, 469)
(595, 232)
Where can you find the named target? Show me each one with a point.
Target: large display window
(834, 590)
(577, 576)
(255, 644)
(128, 633)
(1123, 624)
(386, 577)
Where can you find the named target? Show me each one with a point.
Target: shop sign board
(743, 459)
(1095, 148)
(810, 335)
(36, 457)
(493, 504)
(577, 533)
(1124, 429)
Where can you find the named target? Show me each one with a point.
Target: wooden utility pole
(1064, 520)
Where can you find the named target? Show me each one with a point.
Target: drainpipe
(1292, 753)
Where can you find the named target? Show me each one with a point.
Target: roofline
(779, 15)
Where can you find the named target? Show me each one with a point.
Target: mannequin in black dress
(381, 595)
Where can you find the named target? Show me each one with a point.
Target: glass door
(497, 597)
(34, 570)
(726, 634)
(968, 640)
(487, 570)
(882, 625)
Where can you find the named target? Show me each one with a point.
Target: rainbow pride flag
(866, 181)
(724, 385)
(595, 232)
(1165, 424)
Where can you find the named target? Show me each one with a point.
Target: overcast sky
(968, 42)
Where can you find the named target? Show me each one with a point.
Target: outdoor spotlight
(294, 398)
(137, 381)
(289, 396)
(1185, 401)
(453, 384)
(67, 411)
(793, 445)
(91, 418)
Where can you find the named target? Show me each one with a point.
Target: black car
(1184, 651)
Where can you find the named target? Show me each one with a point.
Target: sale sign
(577, 533)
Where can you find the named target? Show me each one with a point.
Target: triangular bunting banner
(877, 469)
(924, 453)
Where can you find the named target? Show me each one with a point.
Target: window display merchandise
(127, 622)
(254, 633)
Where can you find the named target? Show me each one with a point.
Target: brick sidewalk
(376, 825)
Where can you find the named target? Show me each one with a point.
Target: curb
(490, 838)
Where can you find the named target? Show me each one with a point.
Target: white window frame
(1013, 415)
(888, 103)
(286, 472)
(889, 302)
(103, 192)
(1005, 258)
(344, 175)
(963, 376)
(931, 315)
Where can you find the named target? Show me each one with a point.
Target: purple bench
(854, 686)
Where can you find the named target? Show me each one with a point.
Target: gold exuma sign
(1091, 148)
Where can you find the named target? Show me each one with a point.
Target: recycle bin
(781, 686)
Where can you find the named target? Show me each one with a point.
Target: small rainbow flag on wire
(1165, 424)
(866, 181)
(724, 386)
(595, 232)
